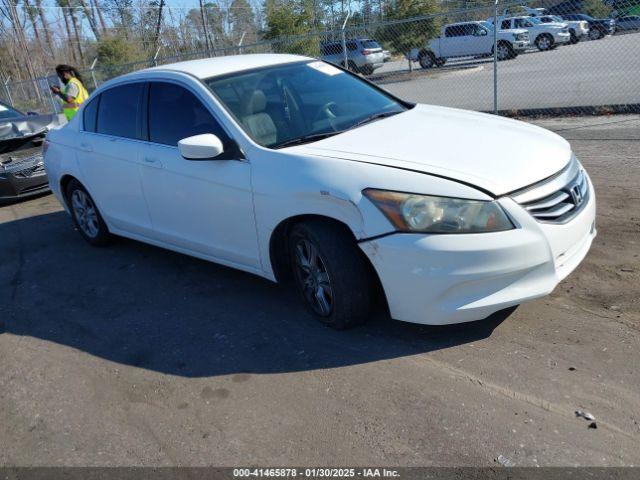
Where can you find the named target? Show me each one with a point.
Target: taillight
(367, 51)
(45, 146)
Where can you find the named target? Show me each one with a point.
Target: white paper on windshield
(325, 68)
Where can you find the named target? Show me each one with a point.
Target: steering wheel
(325, 113)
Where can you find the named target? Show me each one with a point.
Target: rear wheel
(351, 66)
(426, 60)
(86, 216)
(367, 70)
(331, 273)
(544, 42)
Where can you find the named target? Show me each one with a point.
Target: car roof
(209, 67)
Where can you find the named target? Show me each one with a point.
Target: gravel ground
(132, 355)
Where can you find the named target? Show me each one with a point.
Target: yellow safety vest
(69, 112)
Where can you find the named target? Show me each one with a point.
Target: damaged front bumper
(22, 174)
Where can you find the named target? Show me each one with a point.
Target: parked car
(290, 168)
(577, 28)
(598, 28)
(467, 39)
(363, 55)
(22, 171)
(625, 24)
(545, 36)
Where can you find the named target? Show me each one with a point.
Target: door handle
(152, 162)
(86, 147)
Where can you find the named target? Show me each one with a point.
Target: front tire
(86, 216)
(544, 42)
(574, 38)
(505, 52)
(331, 273)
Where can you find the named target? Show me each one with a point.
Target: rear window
(370, 44)
(119, 111)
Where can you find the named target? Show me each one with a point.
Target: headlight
(409, 212)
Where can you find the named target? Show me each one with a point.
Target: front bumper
(521, 45)
(443, 279)
(562, 37)
(26, 178)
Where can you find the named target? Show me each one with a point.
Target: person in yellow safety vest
(73, 94)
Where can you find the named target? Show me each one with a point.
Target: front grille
(557, 200)
(32, 171)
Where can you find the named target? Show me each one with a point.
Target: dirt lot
(135, 355)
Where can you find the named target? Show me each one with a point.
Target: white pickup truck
(545, 36)
(470, 39)
(577, 28)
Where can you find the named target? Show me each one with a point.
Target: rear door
(108, 153)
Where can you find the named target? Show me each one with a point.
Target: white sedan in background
(291, 168)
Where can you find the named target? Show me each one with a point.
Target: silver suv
(363, 55)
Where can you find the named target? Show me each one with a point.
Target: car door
(480, 41)
(204, 206)
(453, 41)
(108, 155)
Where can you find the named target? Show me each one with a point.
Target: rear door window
(119, 111)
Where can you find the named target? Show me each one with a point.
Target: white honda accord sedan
(293, 169)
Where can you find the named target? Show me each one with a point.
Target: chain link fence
(534, 62)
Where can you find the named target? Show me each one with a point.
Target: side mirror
(200, 147)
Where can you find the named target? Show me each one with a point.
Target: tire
(426, 59)
(505, 52)
(574, 38)
(86, 217)
(595, 34)
(544, 42)
(351, 66)
(367, 70)
(332, 275)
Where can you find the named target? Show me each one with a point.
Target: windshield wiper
(373, 117)
(306, 139)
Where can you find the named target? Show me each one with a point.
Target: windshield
(8, 112)
(535, 20)
(300, 102)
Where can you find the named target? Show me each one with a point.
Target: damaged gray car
(22, 137)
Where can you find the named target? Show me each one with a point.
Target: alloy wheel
(503, 52)
(544, 43)
(313, 277)
(85, 213)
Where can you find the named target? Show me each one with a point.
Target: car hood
(495, 154)
(16, 131)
